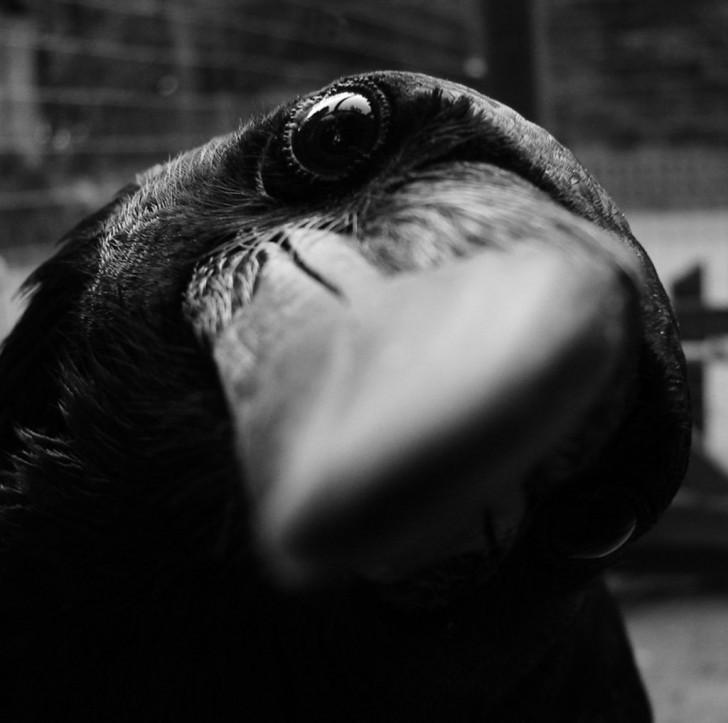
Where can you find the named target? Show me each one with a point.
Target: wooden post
(516, 46)
(21, 119)
(704, 331)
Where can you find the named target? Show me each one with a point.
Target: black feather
(131, 587)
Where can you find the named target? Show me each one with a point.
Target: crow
(339, 417)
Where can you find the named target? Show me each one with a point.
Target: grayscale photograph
(363, 362)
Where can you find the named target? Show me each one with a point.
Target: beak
(378, 418)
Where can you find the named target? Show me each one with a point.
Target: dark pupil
(335, 133)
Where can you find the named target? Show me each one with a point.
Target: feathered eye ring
(328, 138)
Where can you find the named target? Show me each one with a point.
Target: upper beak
(378, 418)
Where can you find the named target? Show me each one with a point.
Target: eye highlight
(332, 137)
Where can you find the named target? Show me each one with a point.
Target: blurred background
(92, 91)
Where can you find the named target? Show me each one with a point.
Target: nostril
(285, 243)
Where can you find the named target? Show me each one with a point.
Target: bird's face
(392, 321)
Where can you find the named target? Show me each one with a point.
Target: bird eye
(337, 133)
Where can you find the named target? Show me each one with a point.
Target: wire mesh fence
(91, 91)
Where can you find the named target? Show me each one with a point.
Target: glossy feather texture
(338, 417)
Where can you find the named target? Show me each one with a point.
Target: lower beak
(379, 418)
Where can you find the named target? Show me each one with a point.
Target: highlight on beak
(379, 418)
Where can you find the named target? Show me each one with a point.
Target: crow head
(387, 325)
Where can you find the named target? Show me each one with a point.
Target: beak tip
(281, 540)
(281, 563)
